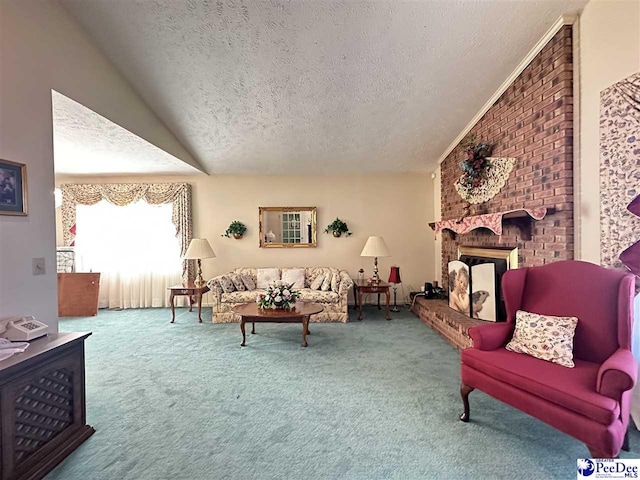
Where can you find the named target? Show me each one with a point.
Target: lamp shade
(199, 248)
(394, 275)
(375, 247)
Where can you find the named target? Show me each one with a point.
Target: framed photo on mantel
(13, 188)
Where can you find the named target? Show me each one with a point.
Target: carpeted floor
(366, 400)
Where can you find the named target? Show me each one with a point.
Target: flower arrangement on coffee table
(279, 295)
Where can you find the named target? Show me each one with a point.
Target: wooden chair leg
(625, 442)
(465, 390)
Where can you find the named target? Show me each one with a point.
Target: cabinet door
(42, 409)
(78, 294)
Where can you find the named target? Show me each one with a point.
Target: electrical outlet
(38, 266)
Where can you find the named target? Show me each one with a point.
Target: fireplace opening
(481, 269)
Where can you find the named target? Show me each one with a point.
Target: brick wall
(533, 122)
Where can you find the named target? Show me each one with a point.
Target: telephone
(20, 329)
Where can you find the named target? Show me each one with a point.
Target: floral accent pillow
(266, 276)
(237, 282)
(335, 279)
(295, 276)
(317, 283)
(545, 337)
(326, 283)
(227, 284)
(248, 282)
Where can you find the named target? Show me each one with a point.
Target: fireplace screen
(474, 281)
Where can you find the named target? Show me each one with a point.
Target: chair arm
(617, 374)
(491, 336)
(345, 283)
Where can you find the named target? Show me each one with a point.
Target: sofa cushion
(266, 276)
(316, 284)
(294, 276)
(545, 337)
(237, 282)
(573, 389)
(241, 297)
(308, 295)
(248, 282)
(326, 283)
(227, 284)
(335, 282)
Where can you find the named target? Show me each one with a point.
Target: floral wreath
(482, 176)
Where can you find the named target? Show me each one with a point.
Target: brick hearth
(453, 326)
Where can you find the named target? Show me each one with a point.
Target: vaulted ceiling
(306, 87)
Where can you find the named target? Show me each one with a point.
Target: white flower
(286, 292)
(273, 306)
(278, 298)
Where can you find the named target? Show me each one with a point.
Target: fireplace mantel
(522, 218)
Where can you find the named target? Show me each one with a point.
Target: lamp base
(395, 304)
(199, 282)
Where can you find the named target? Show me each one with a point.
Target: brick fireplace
(533, 122)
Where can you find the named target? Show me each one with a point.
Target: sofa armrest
(491, 336)
(617, 374)
(345, 283)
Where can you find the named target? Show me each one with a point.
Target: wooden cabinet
(42, 406)
(78, 294)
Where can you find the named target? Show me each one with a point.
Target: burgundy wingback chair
(589, 402)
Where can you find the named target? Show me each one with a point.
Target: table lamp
(375, 247)
(199, 248)
(394, 277)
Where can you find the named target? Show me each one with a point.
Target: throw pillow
(545, 337)
(335, 281)
(317, 283)
(266, 276)
(295, 276)
(237, 282)
(326, 283)
(227, 284)
(248, 282)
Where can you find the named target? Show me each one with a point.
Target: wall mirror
(287, 227)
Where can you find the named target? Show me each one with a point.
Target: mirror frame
(314, 227)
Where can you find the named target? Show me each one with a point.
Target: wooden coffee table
(251, 313)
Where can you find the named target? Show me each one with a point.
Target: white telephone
(20, 329)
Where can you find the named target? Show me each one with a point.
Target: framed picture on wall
(13, 188)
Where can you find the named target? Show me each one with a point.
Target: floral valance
(179, 194)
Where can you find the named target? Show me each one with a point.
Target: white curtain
(135, 249)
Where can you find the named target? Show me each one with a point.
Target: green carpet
(366, 400)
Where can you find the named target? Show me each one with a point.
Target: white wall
(608, 51)
(42, 48)
(398, 207)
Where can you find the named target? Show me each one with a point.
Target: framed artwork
(13, 188)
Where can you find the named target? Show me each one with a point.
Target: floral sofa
(333, 299)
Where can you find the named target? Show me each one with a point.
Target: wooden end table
(251, 313)
(362, 286)
(192, 291)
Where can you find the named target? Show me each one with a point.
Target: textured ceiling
(85, 143)
(317, 86)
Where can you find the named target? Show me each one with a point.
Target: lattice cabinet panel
(42, 406)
